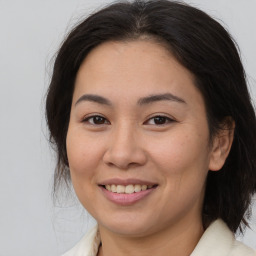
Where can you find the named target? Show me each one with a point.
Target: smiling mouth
(129, 189)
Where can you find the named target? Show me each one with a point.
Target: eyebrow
(160, 97)
(142, 101)
(94, 98)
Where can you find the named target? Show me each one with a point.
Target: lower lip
(126, 199)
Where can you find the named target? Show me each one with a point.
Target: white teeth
(120, 189)
(143, 187)
(129, 189)
(113, 188)
(137, 188)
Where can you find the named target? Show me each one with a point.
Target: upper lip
(125, 182)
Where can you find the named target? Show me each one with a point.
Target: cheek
(179, 150)
(84, 155)
(182, 163)
(182, 159)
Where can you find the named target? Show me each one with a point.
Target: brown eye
(159, 120)
(96, 120)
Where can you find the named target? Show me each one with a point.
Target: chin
(128, 227)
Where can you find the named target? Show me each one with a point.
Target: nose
(125, 149)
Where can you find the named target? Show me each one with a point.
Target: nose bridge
(124, 135)
(124, 147)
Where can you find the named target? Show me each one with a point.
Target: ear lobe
(221, 145)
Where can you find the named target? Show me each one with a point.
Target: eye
(96, 120)
(159, 120)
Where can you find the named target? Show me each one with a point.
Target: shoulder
(219, 240)
(87, 246)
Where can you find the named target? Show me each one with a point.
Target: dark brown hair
(201, 45)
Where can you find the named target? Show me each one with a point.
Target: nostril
(124, 152)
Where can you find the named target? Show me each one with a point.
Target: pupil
(159, 120)
(98, 120)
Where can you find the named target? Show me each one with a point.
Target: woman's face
(138, 139)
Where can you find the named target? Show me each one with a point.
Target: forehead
(134, 67)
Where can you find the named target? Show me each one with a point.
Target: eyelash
(158, 118)
(87, 120)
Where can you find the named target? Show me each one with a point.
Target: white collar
(217, 240)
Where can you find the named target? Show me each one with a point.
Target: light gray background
(30, 32)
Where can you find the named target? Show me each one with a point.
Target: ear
(221, 145)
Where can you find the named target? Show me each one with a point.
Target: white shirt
(217, 240)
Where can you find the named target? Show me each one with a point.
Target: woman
(149, 111)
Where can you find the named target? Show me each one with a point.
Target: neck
(180, 239)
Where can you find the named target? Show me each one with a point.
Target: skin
(128, 142)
